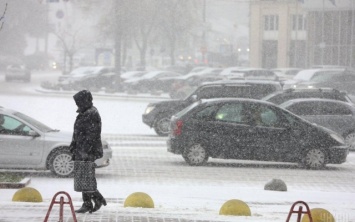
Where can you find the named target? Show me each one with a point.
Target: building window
(299, 22)
(271, 22)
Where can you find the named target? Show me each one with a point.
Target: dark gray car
(336, 115)
(344, 81)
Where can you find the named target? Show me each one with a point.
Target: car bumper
(105, 160)
(173, 146)
(338, 154)
(148, 119)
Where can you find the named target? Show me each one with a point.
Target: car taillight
(177, 128)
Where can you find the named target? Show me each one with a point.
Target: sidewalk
(113, 212)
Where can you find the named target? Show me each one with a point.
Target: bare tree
(177, 19)
(71, 43)
(3, 17)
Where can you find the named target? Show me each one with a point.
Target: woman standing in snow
(86, 147)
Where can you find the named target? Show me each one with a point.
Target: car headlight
(149, 109)
(337, 138)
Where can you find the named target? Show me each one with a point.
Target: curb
(9, 185)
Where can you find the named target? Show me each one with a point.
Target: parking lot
(181, 192)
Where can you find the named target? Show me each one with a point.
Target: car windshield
(34, 122)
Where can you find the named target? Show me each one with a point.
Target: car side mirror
(33, 133)
(194, 98)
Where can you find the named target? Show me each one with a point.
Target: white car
(308, 75)
(26, 143)
(17, 72)
(286, 73)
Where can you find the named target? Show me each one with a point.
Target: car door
(270, 136)
(17, 148)
(229, 131)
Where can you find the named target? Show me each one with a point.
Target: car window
(206, 113)
(258, 91)
(304, 109)
(12, 126)
(329, 108)
(265, 116)
(231, 113)
(209, 92)
(323, 76)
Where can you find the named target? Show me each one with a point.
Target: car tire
(195, 155)
(60, 163)
(161, 126)
(350, 140)
(314, 159)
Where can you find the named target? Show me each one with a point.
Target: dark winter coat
(86, 144)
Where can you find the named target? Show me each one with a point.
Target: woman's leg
(87, 205)
(99, 200)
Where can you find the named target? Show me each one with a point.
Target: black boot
(87, 207)
(99, 200)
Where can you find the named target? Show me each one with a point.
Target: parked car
(231, 70)
(89, 77)
(179, 85)
(17, 72)
(132, 74)
(150, 81)
(298, 93)
(336, 115)
(251, 73)
(309, 75)
(286, 73)
(157, 115)
(251, 130)
(344, 81)
(180, 89)
(26, 143)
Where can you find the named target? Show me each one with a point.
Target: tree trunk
(70, 55)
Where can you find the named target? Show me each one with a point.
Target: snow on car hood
(62, 136)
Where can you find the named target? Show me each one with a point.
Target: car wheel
(350, 140)
(61, 163)
(161, 126)
(195, 155)
(314, 159)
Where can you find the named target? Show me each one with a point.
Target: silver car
(26, 143)
(333, 114)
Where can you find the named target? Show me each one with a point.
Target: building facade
(294, 33)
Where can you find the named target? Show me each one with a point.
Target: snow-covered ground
(178, 190)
